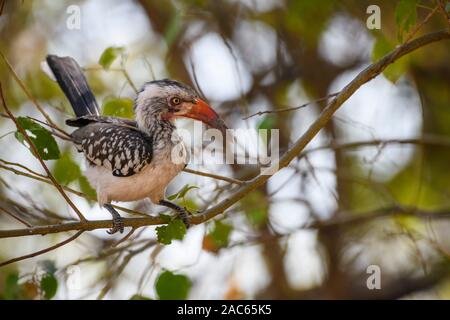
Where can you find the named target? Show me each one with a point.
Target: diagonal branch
(214, 176)
(27, 92)
(287, 109)
(363, 77)
(35, 151)
(38, 253)
(38, 177)
(325, 116)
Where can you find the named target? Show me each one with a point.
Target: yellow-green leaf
(221, 233)
(139, 297)
(109, 56)
(266, 123)
(394, 71)
(174, 230)
(405, 16)
(118, 107)
(182, 193)
(66, 170)
(86, 188)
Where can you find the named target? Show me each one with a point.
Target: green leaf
(173, 28)
(86, 188)
(11, 287)
(182, 193)
(139, 297)
(118, 107)
(166, 218)
(266, 123)
(405, 16)
(255, 206)
(49, 285)
(170, 286)
(42, 138)
(394, 71)
(308, 19)
(190, 205)
(221, 233)
(109, 55)
(66, 169)
(174, 230)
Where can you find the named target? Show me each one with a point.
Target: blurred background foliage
(245, 57)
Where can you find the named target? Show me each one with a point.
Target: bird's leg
(116, 219)
(183, 214)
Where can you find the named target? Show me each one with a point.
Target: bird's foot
(117, 220)
(182, 213)
(117, 225)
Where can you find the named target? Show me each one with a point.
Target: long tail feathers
(72, 81)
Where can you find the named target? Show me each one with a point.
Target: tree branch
(35, 151)
(260, 113)
(134, 223)
(27, 92)
(38, 253)
(363, 77)
(214, 176)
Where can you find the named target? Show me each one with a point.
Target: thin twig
(194, 74)
(363, 77)
(16, 217)
(23, 167)
(35, 151)
(51, 127)
(124, 238)
(444, 11)
(117, 272)
(325, 116)
(214, 176)
(121, 70)
(2, 6)
(27, 92)
(260, 113)
(350, 220)
(43, 178)
(128, 78)
(422, 23)
(38, 253)
(76, 192)
(54, 130)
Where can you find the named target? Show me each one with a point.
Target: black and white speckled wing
(120, 148)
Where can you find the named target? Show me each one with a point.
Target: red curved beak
(200, 110)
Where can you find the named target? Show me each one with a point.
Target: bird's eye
(175, 101)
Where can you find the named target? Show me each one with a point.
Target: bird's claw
(117, 225)
(184, 214)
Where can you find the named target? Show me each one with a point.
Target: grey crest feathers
(151, 102)
(167, 83)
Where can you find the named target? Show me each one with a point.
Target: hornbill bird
(131, 160)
